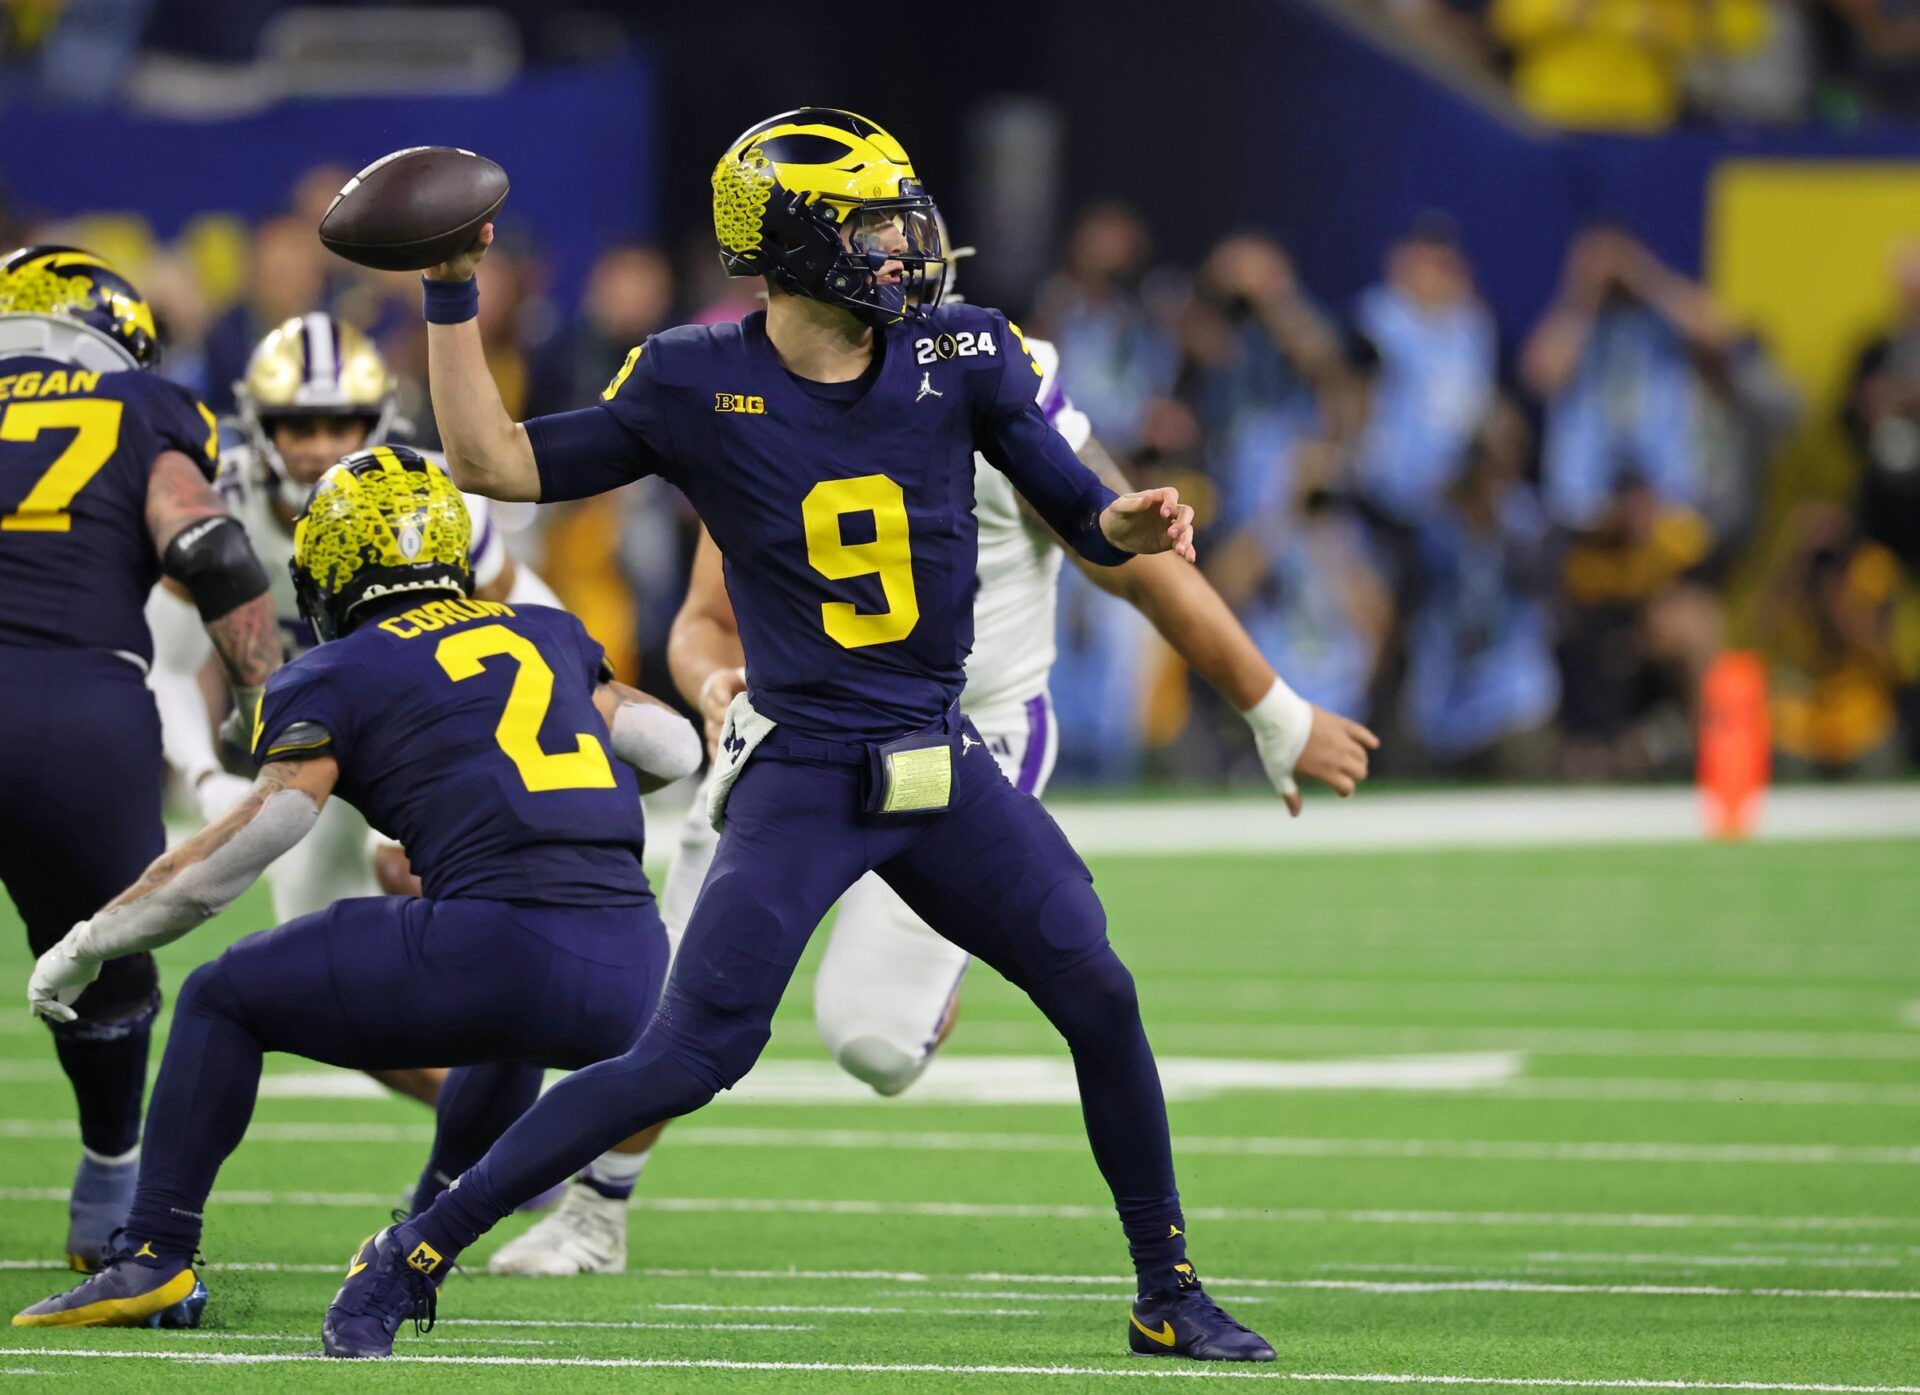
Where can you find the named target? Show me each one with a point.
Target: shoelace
(426, 1298)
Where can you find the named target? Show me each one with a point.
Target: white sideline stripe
(1021, 1211)
(1474, 819)
(1658, 1090)
(936, 1141)
(1137, 1372)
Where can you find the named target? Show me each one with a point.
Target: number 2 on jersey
(583, 768)
(96, 427)
(888, 556)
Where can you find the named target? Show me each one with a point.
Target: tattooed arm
(190, 884)
(206, 553)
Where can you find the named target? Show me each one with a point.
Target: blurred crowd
(1514, 560)
(1646, 64)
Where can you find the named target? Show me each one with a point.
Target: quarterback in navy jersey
(105, 473)
(490, 739)
(827, 443)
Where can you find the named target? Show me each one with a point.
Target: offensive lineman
(827, 444)
(105, 474)
(476, 732)
(887, 990)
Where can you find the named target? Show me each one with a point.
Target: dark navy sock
(1094, 1006)
(107, 1063)
(476, 1106)
(201, 1103)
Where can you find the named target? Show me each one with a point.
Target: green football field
(1642, 1116)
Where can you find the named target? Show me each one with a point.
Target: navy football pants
(80, 779)
(379, 983)
(993, 873)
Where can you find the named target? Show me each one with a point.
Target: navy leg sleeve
(81, 766)
(997, 877)
(477, 1104)
(793, 842)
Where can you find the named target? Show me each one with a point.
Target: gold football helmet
(313, 366)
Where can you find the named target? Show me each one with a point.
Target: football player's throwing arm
(487, 450)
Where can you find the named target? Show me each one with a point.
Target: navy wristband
(449, 302)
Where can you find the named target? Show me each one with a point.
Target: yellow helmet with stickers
(383, 522)
(94, 307)
(818, 200)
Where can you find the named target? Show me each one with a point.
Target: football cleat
(136, 1288)
(1184, 1321)
(387, 1283)
(97, 1207)
(585, 1234)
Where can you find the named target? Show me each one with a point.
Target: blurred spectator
(1640, 629)
(286, 277)
(1115, 357)
(1827, 624)
(1882, 418)
(1617, 64)
(1260, 367)
(1875, 53)
(629, 295)
(1298, 575)
(1482, 688)
(1613, 359)
(1428, 345)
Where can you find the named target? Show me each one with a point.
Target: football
(414, 208)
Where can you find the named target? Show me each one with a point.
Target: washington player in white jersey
(887, 988)
(315, 390)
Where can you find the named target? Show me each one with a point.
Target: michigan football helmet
(63, 303)
(808, 198)
(382, 522)
(313, 366)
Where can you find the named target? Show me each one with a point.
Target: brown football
(414, 208)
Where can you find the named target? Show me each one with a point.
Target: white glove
(61, 975)
(1281, 722)
(217, 792)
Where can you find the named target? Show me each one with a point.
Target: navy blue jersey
(76, 448)
(466, 730)
(848, 528)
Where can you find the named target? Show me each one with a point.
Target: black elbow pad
(215, 562)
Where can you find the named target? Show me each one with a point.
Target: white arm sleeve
(180, 648)
(489, 545)
(203, 889)
(529, 589)
(660, 744)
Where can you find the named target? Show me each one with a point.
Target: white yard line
(960, 1141)
(1021, 1211)
(1138, 1371)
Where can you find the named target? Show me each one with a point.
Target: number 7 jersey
(466, 731)
(76, 450)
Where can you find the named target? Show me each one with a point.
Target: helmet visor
(905, 232)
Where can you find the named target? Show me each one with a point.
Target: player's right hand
(59, 976)
(462, 267)
(723, 685)
(1336, 752)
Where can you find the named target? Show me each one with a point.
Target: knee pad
(880, 1063)
(123, 1000)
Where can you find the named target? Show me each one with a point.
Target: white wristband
(1282, 720)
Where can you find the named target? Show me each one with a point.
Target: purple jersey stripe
(1036, 752)
(1055, 399)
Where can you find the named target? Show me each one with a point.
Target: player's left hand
(1150, 520)
(1335, 755)
(61, 975)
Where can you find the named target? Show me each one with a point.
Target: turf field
(1546, 1118)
